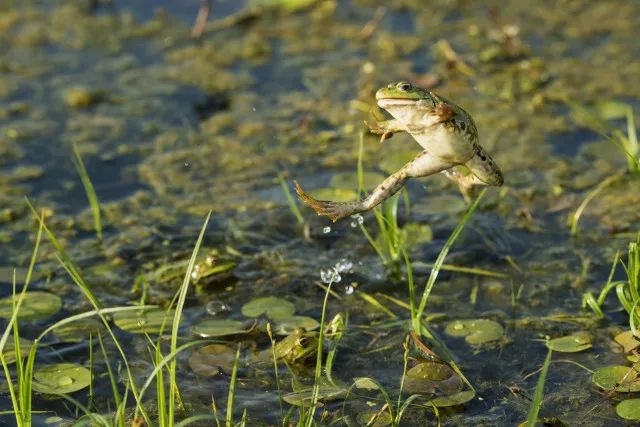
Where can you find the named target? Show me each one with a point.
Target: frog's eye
(404, 86)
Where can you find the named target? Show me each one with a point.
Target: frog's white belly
(441, 142)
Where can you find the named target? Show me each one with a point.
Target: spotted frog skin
(445, 131)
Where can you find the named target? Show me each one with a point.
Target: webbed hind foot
(332, 210)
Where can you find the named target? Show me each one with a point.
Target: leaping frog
(445, 131)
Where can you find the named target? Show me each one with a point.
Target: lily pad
(61, 378)
(414, 234)
(273, 307)
(288, 326)
(334, 194)
(218, 328)
(144, 321)
(454, 399)
(627, 341)
(9, 351)
(36, 305)
(349, 181)
(629, 409)
(432, 377)
(475, 331)
(78, 331)
(365, 383)
(305, 397)
(618, 378)
(395, 161)
(570, 343)
(374, 418)
(212, 359)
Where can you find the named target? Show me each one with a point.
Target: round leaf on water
(288, 326)
(217, 328)
(394, 161)
(334, 194)
(570, 343)
(273, 307)
(349, 181)
(365, 383)
(374, 418)
(627, 341)
(36, 305)
(78, 331)
(414, 234)
(475, 331)
(211, 359)
(454, 399)
(629, 409)
(431, 377)
(9, 351)
(305, 397)
(61, 378)
(619, 378)
(144, 321)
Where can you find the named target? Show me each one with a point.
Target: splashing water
(330, 275)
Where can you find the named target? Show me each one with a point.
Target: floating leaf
(570, 343)
(374, 418)
(365, 383)
(288, 326)
(9, 351)
(619, 378)
(454, 399)
(393, 162)
(429, 377)
(218, 328)
(414, 234)
(475, 331)
(61, 378)
(305, 397)
(334, 194)
(629, 409)
(273, 307)
(78, 331)
(627, 341)
(144, 321)
(349, 181)
(441, 205)
(36, 305)
(211, 359)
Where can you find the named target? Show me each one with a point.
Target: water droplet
(254, 109)
(215, 307)
(329, 275)
(186, 164)
(64, 380)
(326, 230)
(357, 220)
(348, 290)
(343, 265)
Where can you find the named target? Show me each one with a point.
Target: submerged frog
(445, 131)
(297, 346)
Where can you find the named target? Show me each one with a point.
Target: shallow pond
(170, 127)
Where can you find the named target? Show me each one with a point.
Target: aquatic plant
(627, 291)
(92, 196)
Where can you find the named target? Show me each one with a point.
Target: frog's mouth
(395, 102)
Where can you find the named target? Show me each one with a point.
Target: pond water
(170, 128)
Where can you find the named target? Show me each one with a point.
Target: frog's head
(403, 99)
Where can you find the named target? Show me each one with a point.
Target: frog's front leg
(385, 128)
(422, 165)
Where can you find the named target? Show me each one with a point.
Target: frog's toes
(332, 210)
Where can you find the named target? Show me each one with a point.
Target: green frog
(297, 346)
(445, 131)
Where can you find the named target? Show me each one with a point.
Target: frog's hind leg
(482, 170)
(422, 165)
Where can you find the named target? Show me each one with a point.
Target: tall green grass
(92, 196)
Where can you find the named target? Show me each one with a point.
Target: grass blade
(536, 403)
(92, 197)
